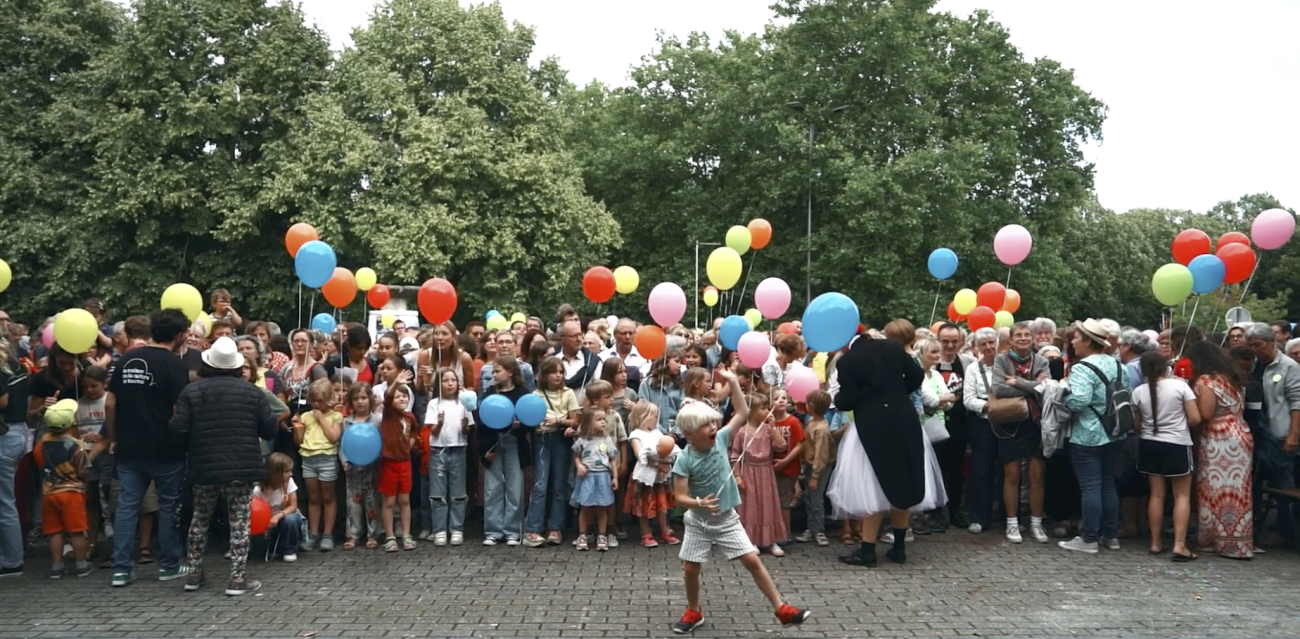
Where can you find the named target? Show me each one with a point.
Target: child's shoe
(440, 538)
(84, 568)
(57, 572)
(649, 541)
(408, 543)
(326, 543)
(821, 539)
(308, 543)
(457, 537)
(390, 545)
(613, 540)
(690, 620)
(582, 542)
(790, 616)
(602, 543)
(804, 537)
(424, 535)
(669, 538)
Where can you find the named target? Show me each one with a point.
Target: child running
(650, 495)
(704, 483)
(595, 458)
(363, 501)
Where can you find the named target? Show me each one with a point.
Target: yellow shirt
(819, 366)
(558, 405)
(314, 441)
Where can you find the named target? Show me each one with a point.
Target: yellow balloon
(518, 317)
(1003, 319)
(964, 301)
(366, 278)
(626, 279)
(386, 320)
(724, 268)
(206, 321)
(753, 316)
(6, 276)
(498, 323)
(184, 298)
(739, 239)
(75, 330)
(711, 297)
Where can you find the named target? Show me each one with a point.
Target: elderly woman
(1043, 331)
(1016, 374)
(1293, 349)
(221, 420)
(985, 470)
(264, 334)
(1093, 452)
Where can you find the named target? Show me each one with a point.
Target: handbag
(1005, 411)
(935, 426)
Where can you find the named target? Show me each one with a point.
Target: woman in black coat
(222, 421)
(876, 379)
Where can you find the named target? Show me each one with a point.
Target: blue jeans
(503, 489)
(447, 482)
(283, 539)
(1094, 467)
(986, 471)
(134, 477)
(12, 448)
(552, 465)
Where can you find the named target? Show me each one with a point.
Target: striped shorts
(703, 532)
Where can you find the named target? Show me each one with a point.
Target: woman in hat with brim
(222, 420)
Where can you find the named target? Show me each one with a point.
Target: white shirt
(1172, 393)
(633, 360)
(646, 471)
(275, 498)
(452, 434)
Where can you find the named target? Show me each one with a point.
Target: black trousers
(951, 453)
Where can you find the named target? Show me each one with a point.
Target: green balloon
(753, 317)
(738, 239)
(1171, 284)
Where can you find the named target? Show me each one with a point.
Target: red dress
(760, 505)
(1225, 519)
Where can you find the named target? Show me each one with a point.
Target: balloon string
(1190, 319)
(299, 303)
(1009, 276)
(935, 308)
(741, 301)
(1245, 289)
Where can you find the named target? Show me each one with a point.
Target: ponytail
(1154, 366)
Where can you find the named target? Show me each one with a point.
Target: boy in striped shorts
(703, 483)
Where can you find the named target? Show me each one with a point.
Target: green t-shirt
(709, 473)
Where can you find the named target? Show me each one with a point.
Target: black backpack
(1119, 418)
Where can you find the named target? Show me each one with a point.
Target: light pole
(812, 139)
(697, 277)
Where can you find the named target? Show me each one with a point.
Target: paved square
(953, 585)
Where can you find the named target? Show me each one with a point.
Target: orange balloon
(650, 342)
(760, 233)
(341, 289)
(1012, 303)
(299, 234)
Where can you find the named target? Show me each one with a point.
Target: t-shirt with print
(275, 498)
(1172, 393)
(792, 431)
(709, 472)
(146, 386)
(63, 463)
(90, 418)
(596, 452)
(558, 406)
(452, 433)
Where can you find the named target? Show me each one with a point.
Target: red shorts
(394, 477)
(63, 513)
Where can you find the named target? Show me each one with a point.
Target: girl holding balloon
(505, 454)
(363, 501)
(280, 493)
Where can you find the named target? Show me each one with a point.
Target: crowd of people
(1088, 433)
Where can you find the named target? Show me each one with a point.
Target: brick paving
(954, 585)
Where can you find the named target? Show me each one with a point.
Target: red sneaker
(790, 616)
(670, 539)
(690, 620)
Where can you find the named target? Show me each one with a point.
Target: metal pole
(697, 285)
(812, 138)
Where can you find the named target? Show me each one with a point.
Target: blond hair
(695, 415)
(641, 412)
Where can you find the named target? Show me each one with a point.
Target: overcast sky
(1204, 99)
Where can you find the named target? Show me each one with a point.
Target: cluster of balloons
(724, 266)
(977, 308)
(600, 284)
(499, 413)
(1196, 270)
(317, 267)
(496, 321)
(829, 323)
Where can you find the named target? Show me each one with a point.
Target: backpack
(1120, 416)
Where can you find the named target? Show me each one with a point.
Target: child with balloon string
(752, 452)
(505, 453)
(362, 499)
(317, 434)
(397, 430)
(552, 461)
(600, 395)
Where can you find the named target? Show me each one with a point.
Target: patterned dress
(760, 506)
(1225, 523)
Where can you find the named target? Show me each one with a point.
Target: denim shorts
(321, 467)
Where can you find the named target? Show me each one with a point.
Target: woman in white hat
(221, 420)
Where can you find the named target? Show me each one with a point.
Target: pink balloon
(772, 297)
(754, 349)
(1152, 335)
(801, 381)
(667, 304)
(47, 336)
(1012, 244)
(1272, 229)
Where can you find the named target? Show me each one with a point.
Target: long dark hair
(512, 364)
(1153, 366)
(1209, 359)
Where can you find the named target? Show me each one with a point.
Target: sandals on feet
(349, 544)
(372, 543)
(1182, 559)
(146, 556)
(390, 545)
(408, 543)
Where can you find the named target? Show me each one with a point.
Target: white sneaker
(1079, 545)
(611, 541)
(290, 558)
(425, 535)
(457, 538)
(1111, 543)
(512, 541)
(489, 542)
(440, 538)
(1013, 533)
(975, 529)
(888, 538)
(1038, 533)
(804, 537)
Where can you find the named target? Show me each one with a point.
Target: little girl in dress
(752, 452)
(651, 493)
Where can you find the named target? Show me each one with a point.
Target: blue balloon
(732, 328)
(361, 444)
(530, 410)
(942, 263)
(830, 322)
(491, 313)
(315, 263)
(469, 400)
(323, 322)
(1207, 273)
(496, 412)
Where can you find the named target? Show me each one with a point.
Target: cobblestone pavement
(953, 585)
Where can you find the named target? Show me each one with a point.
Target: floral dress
(760, 506)
(1225, 519)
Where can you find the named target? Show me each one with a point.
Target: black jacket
(221, 422)
(585, 375)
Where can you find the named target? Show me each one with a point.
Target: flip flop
(1156, 552)
(1182, 559)
(146, 556)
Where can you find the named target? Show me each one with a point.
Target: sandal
(349, 544)
(408, 543)
(847, 539)
(372, 543)
(1154, 552)
(390, 545)
(1182, 559)
(146, 556)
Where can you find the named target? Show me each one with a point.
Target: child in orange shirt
(64, 465)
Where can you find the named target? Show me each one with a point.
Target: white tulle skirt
(855, 492)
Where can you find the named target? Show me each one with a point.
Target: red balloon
(1239, 260)
(341, 289)
(787, 328)
(953, 315)
(437, 300)
(1233, 237)
(981, 317)
(991, 294)
(378, 296)
(260, 516)
(598, 285)
(1189, 244)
